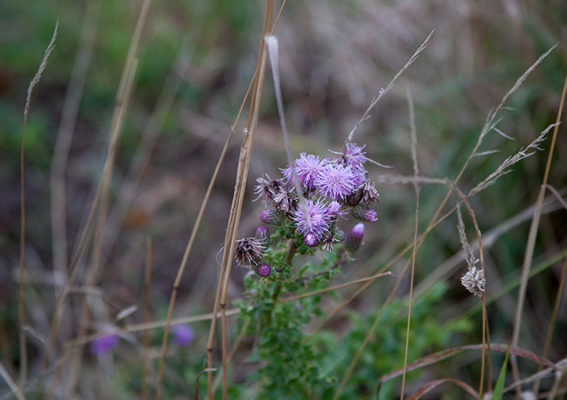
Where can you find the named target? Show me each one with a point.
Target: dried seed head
(249, 250)
(285, 202)
(268, 188)
(331, 238)
(474, 281)
(365, 194)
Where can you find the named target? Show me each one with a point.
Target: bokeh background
(196, 59)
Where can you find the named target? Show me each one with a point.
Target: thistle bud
(269, 217)
(354, 239)
(263, 269)
(364, 214)
(311, 240)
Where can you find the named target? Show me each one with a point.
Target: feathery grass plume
(473, 280)
(504, 168)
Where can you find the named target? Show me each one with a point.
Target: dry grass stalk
(94, 268)
(64, 136)
(533, 234)
(383, 91)
(413, 132)
(125, 80)
(146, 336)
(21, 314)
(11, 384)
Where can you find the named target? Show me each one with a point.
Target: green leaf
(499, 388)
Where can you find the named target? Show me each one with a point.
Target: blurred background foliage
(334, 58)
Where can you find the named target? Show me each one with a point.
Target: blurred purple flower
(183, 335)
(312, 218)
(104, 344)
(336, 181)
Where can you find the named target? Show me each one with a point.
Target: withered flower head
(249, 250)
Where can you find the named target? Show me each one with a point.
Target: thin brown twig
(413, 132)
(553, 319)
(21, 314)
(146, 336)
(93, 272)
(64, 137)
(238, 199)
(532, 235)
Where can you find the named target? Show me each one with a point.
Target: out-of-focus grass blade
(499, 388)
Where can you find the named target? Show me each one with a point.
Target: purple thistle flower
(354, 239)
(336, 181)
(104, 344)
(354, 156)
(263, 269)
(269, 217)
(183, 335)
(365, 214)
(312, 218)
(308, 168)
(311, 240)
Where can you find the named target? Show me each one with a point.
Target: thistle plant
(304, 210)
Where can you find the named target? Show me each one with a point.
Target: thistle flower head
(263, 269)
(308, 168)
(333, 237)
(366, 193)
(285, 201)
(354, 155)
(336, 181)
(312, 218)
(268, 188)
(249, 250)
(354, 238)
